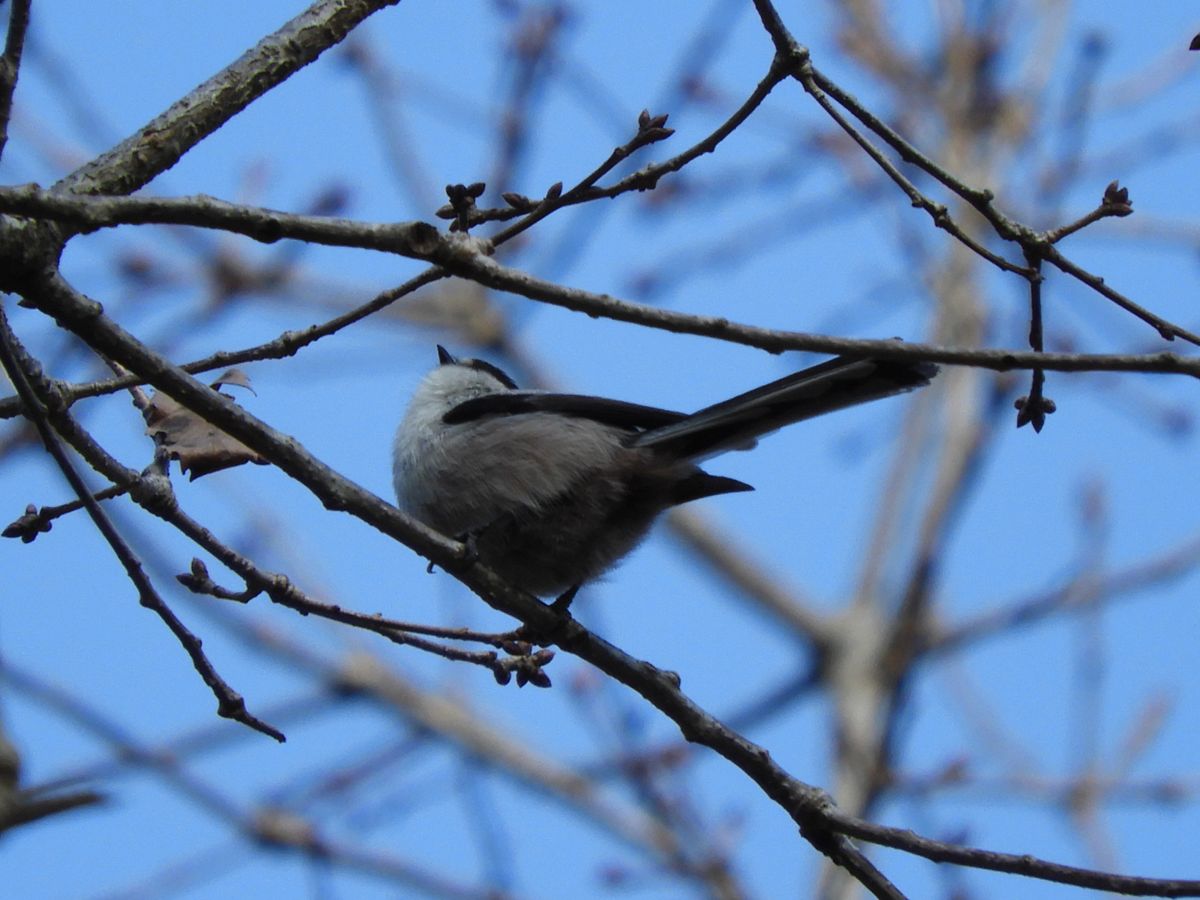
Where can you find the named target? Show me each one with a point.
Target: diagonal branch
(1033, 243)
(230, 704)
(10, 63)
(161, 143)
(803, 802)
(1012, 863)
(819, 820)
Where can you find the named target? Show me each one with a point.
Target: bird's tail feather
(735, 423)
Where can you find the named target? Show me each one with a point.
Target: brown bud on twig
(197, 580)
(518, 201)
(652, 128)
(1033, 411)
(28, 526)
(1116, 200)
(462, 204)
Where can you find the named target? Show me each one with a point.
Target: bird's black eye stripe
(498, 374)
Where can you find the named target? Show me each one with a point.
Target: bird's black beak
(444, 357)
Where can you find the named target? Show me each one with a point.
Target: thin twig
(1031, 242)
(937, 211)
(286, 344)
(10, 63)
(230, 704)
(460, 256)
(1033, 408)
(1012, 863)
(37, 520)
(153, 492)
(490, 273)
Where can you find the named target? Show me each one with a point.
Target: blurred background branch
(845, 617)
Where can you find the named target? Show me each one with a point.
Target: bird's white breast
(463, 477)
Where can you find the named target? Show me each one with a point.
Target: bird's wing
(629, 416)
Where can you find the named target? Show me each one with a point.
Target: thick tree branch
(465, 257)
(810, 807)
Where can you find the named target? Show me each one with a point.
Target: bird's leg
(563, 602)
(546, 636)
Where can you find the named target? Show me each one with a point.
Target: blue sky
(800, 253)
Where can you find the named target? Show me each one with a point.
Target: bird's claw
(470, 553)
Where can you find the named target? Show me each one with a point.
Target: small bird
(552, 490)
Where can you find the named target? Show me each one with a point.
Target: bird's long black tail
(735, 423)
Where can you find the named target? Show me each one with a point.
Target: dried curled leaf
(200, 447)
(235, 377)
